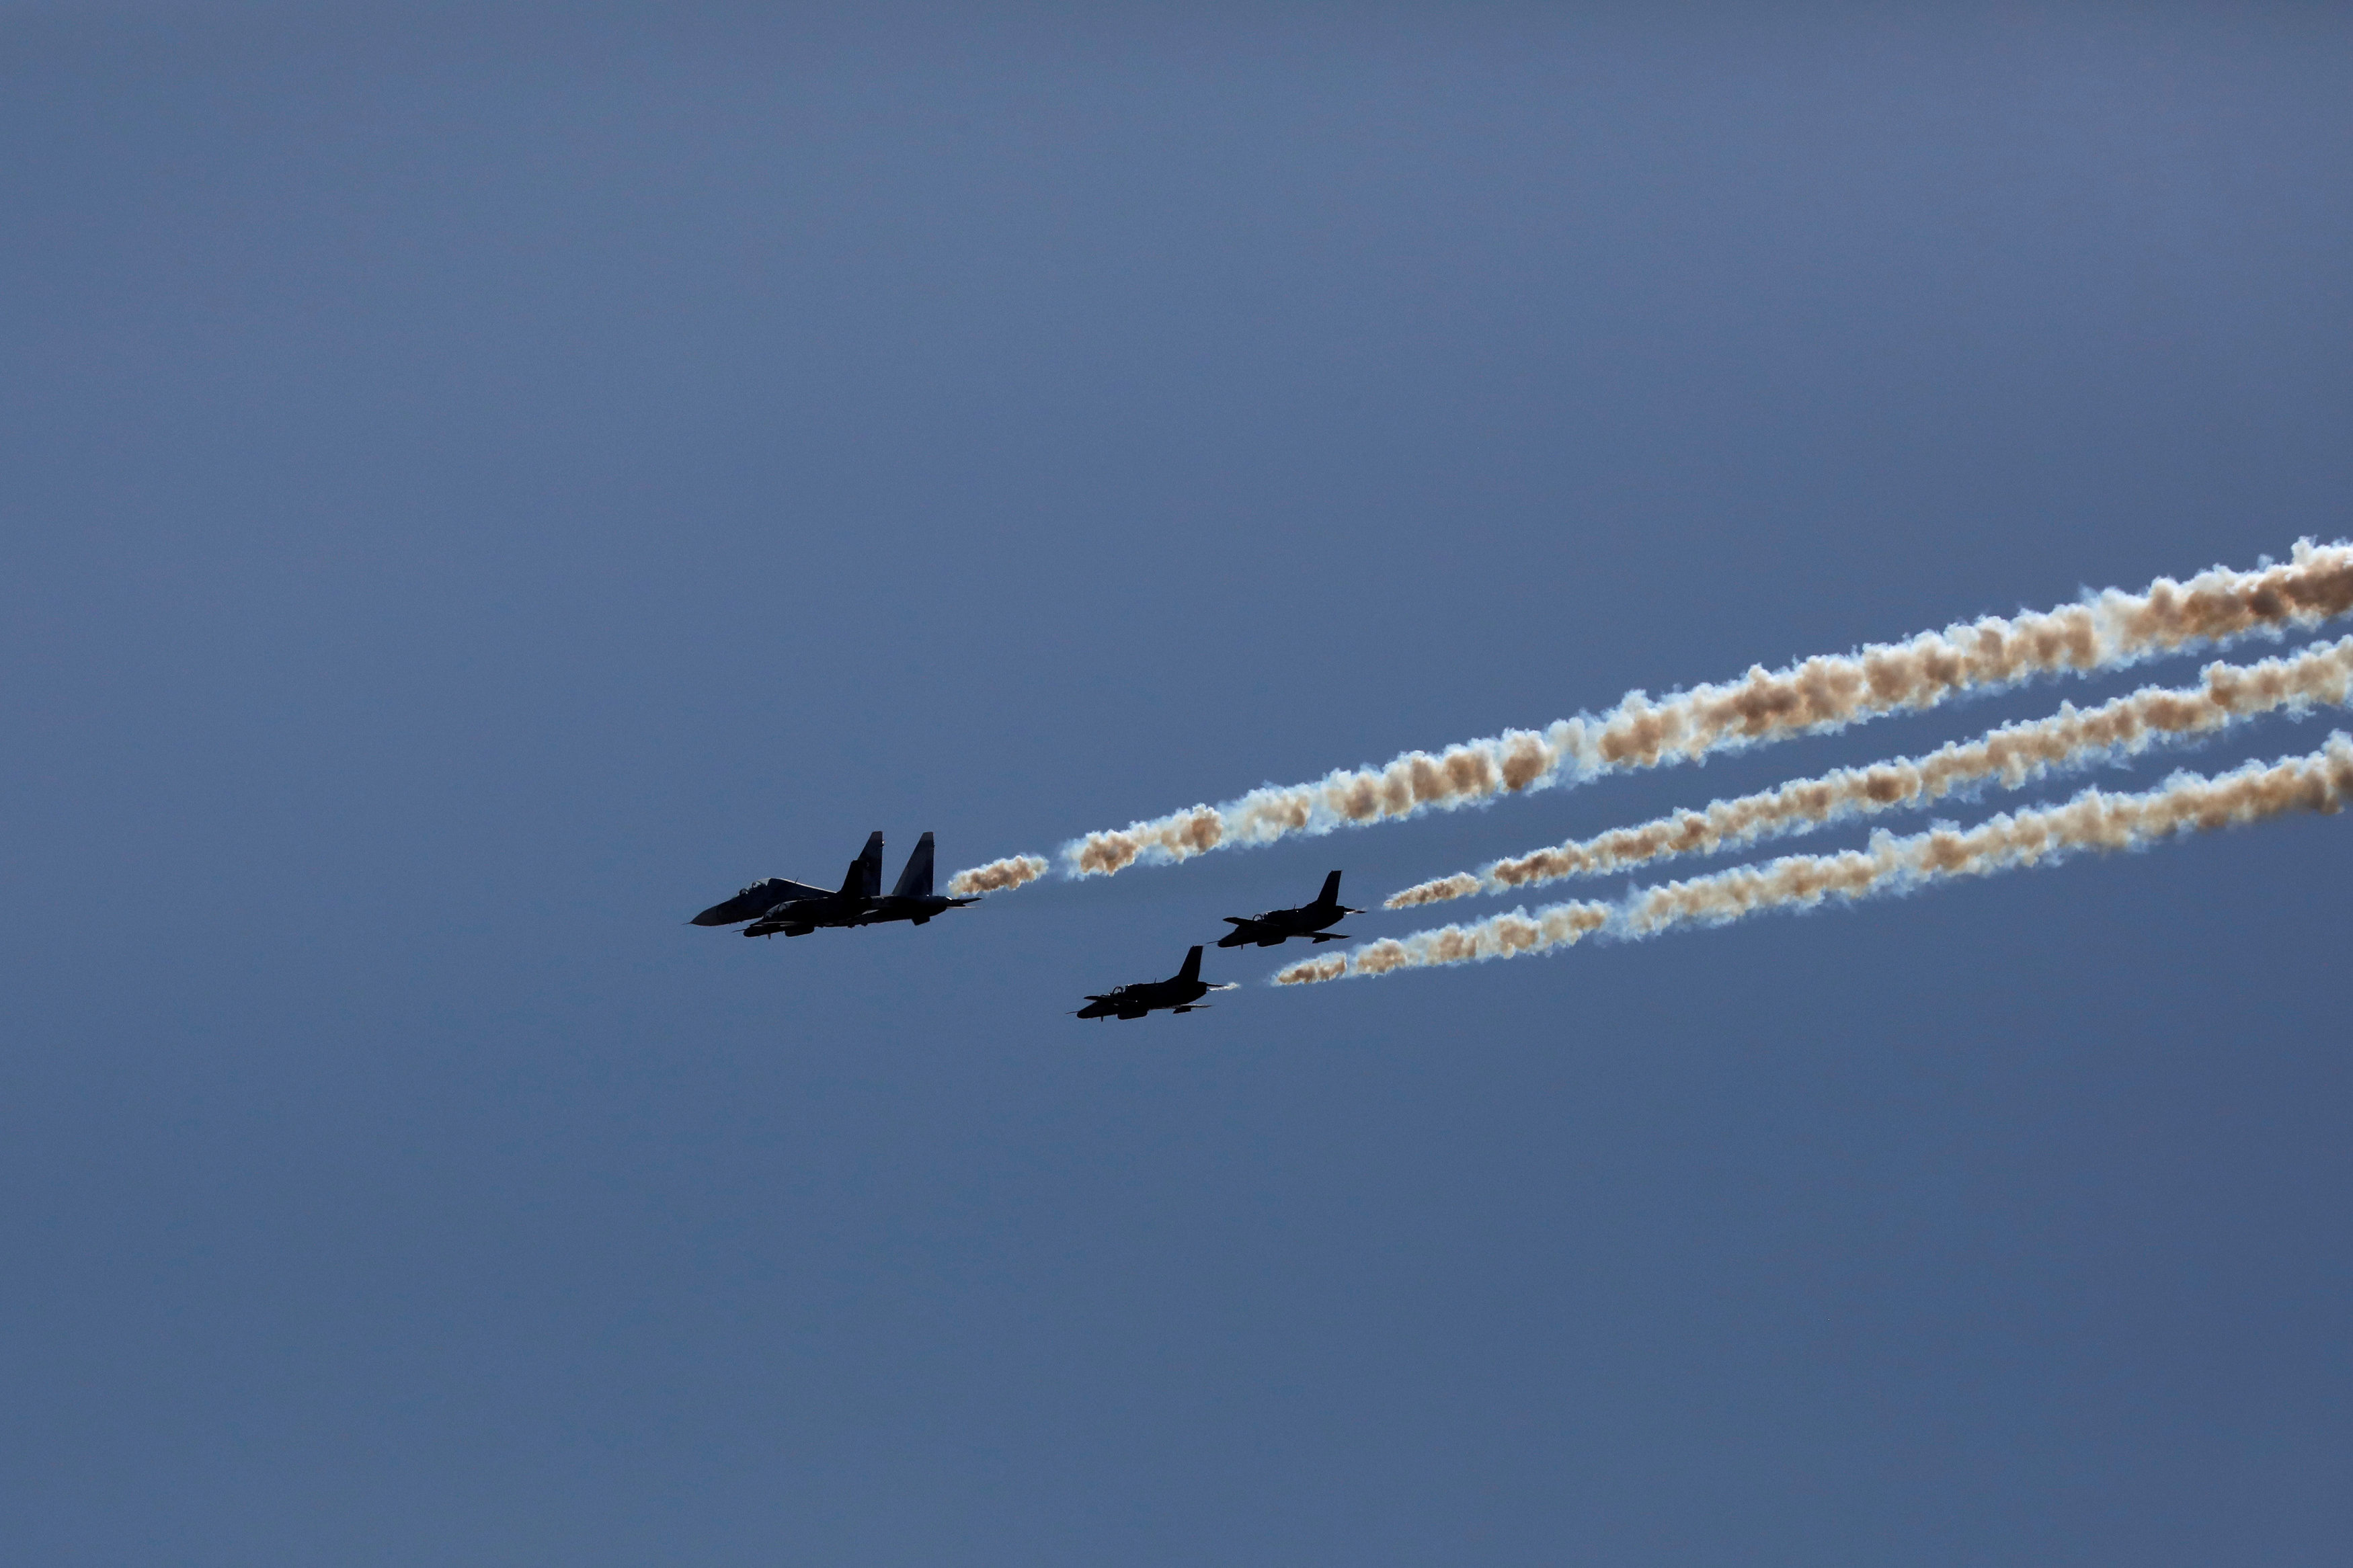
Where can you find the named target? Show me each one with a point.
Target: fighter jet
(912, 898)
(1278, 926)
(797, 909)
(808, 906)
(1181, 992)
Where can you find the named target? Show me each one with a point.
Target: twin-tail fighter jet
(1276, 927)
(1180, 993)
(797, 909)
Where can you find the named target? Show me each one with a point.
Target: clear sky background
(483, 482)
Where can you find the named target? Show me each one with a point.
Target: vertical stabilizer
(915, 881)
(1331, 893)
(865, 878)
(1192, 970)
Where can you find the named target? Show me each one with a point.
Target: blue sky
(485, 483)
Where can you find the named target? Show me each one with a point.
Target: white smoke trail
(2106, 631)
(2013, 755)
(997, 875)
(2094, 820)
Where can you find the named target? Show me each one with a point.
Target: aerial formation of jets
(778, 906)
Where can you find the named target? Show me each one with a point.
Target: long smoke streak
(2013, 755)
(997, 875)
(2095, 819)
(2106, 631)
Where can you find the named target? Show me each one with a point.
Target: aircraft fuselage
(1180, 993)
(780, 907)
(1275, 927)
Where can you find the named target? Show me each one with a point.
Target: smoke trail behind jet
(2106, 631)
(2094, 820)
(997, 875)
(2013, 755)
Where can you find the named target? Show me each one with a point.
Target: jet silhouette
(1278, 926)
(795, 908)
(1180, 993)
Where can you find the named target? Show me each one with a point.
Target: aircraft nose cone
(716, 915)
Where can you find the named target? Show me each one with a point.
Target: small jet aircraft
(912, 898)
(1278, 926)
(1180, 993)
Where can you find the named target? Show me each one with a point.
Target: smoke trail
(2013, 754)
(2105, 631)
(997, 875)
(2094, 820)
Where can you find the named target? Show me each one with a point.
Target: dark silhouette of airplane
(1180, 993)
(1278, 926)
(912, 898)
(795, 908)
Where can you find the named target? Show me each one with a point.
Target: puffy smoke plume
(2095, 819)
(2107, 631)
(2012, 756)
(997, 875)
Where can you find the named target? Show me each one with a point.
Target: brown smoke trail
(2107, 631)
(2013, 755)
(997, 875)
(2094, 820)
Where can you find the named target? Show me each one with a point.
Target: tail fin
(865, 877)
(915, 881)
(1192, 970)
(1331, 893)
